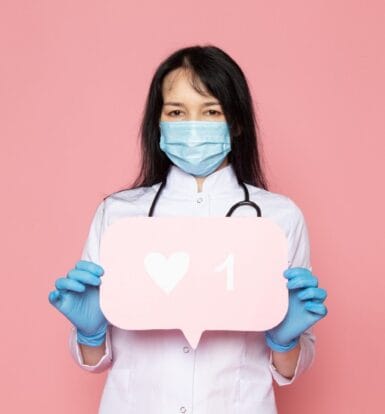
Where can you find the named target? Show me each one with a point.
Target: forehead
(181, 81)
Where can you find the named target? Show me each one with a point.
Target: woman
(199, 133)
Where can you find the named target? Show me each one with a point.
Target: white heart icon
(167, 272)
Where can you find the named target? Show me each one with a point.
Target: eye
(176, 110)
(215, 112)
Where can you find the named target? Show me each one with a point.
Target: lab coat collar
(220, 181)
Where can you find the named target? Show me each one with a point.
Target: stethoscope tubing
(245, 202)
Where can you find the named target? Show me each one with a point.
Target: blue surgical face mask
(197, 147)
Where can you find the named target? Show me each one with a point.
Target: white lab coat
(230, 372)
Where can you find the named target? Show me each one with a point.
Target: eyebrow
(181, 104)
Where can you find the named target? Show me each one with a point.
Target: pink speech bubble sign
(194, 274)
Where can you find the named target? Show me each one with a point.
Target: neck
(201, 179)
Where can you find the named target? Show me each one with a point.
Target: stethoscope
(245, 202)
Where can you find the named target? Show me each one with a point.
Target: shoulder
(127, 202)
(279, 207)
(274, 201)
(288, 215)
(132, 195)
(284, 211)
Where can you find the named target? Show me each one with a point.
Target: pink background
(73, 80)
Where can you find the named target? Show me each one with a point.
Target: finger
(312, 293)
(64, 284)
(296, 271)
(317, 308)
(84, 277)
(302, 281)
(91, 267)
(54, 297)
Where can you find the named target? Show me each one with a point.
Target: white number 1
(228, 264)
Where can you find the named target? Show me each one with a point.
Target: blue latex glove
(305, 309)
(77, 298)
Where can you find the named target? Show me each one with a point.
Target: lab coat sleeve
(299, 256)
(105, 361)
(91, 253)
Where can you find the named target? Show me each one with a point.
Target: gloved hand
(77, 298)
(305, 309)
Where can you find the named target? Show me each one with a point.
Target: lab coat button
(182, 409)
(186, 349)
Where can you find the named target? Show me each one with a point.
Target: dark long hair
(225, 80)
